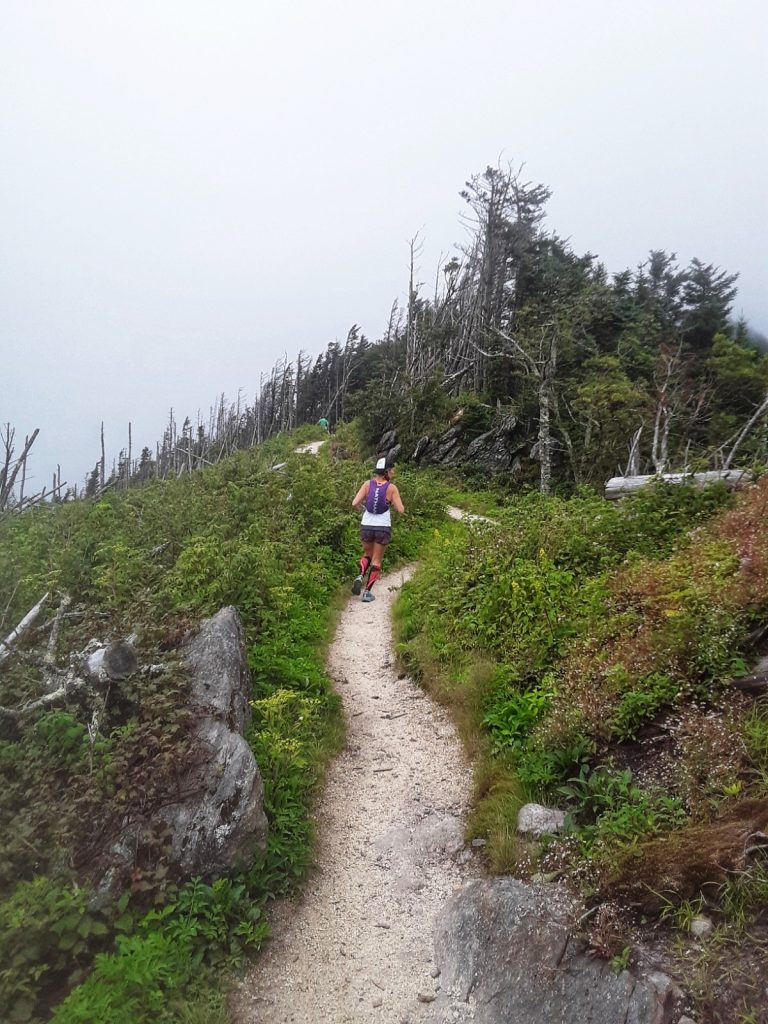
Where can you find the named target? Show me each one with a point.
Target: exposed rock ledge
(219, 822)
(508, 954)
(222, 823)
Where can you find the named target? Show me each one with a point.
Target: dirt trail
(358, 945)
(312, 448)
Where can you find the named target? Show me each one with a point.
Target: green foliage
(64, 738)
(604, 629)
(754, 730)
(140, 982)
(640, 702)
(277, 544)
(47, 934)
(620, 962)
(609, 809)
(511, 720)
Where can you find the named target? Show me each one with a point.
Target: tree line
(640, 370)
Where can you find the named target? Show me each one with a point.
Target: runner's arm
(393, 496)
(361, 495)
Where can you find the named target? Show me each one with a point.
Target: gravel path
(357, 946)
(310, 449)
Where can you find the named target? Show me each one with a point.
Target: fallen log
(49, 661)
(114, 662)
(23, 626)
(97, 664)
(621, 486)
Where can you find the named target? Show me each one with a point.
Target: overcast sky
(190, 189)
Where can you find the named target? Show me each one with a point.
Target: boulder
(387, 440)
(394, 454)
(512, 949)
(219, 678)
(446, 449)
(217, 821)
(495, 452)
(537, 820)
(420, 449)
(221, 821)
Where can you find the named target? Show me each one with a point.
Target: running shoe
(368, 597)
(357, 586)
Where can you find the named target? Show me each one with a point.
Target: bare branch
(70, 685)
(761, 410)
(49, 661)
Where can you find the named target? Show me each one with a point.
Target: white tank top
(381, 520)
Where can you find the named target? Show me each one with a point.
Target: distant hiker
(323, 422)
(377, 494)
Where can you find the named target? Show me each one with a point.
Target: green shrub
(48, 934)
(608, 809)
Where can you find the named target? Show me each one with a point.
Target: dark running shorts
(375, 535)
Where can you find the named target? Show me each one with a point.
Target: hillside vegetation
(588, 650)
(155, 559)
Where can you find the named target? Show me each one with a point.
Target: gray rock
(221, 822)
(538, 820)
(446, 450)
(220, 682)
(495, 452)
(420, 449)
(394, 454)
(701, 926)
(387, 440)
(512, 947)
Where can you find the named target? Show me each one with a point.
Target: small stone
(538, 820)
(377, 1003)
(435, 972)
(686, 1020)
(479, 843)
(426, 997)
(661, 983)
(701, 926)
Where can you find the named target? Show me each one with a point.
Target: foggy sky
(190, 189)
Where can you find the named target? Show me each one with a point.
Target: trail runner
(377, 495)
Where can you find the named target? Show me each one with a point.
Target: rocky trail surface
(358, 944)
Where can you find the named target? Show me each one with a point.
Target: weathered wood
(9, 478)
(70, 684)
(756, 680)
(49, 661)
(620, 486)
(114, 662)
(23, 626)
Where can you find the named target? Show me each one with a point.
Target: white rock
(536, 819)
(701, 927)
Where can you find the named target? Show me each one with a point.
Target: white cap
(381, 464)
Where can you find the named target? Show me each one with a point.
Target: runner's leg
(377, 559)
(364, 563)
